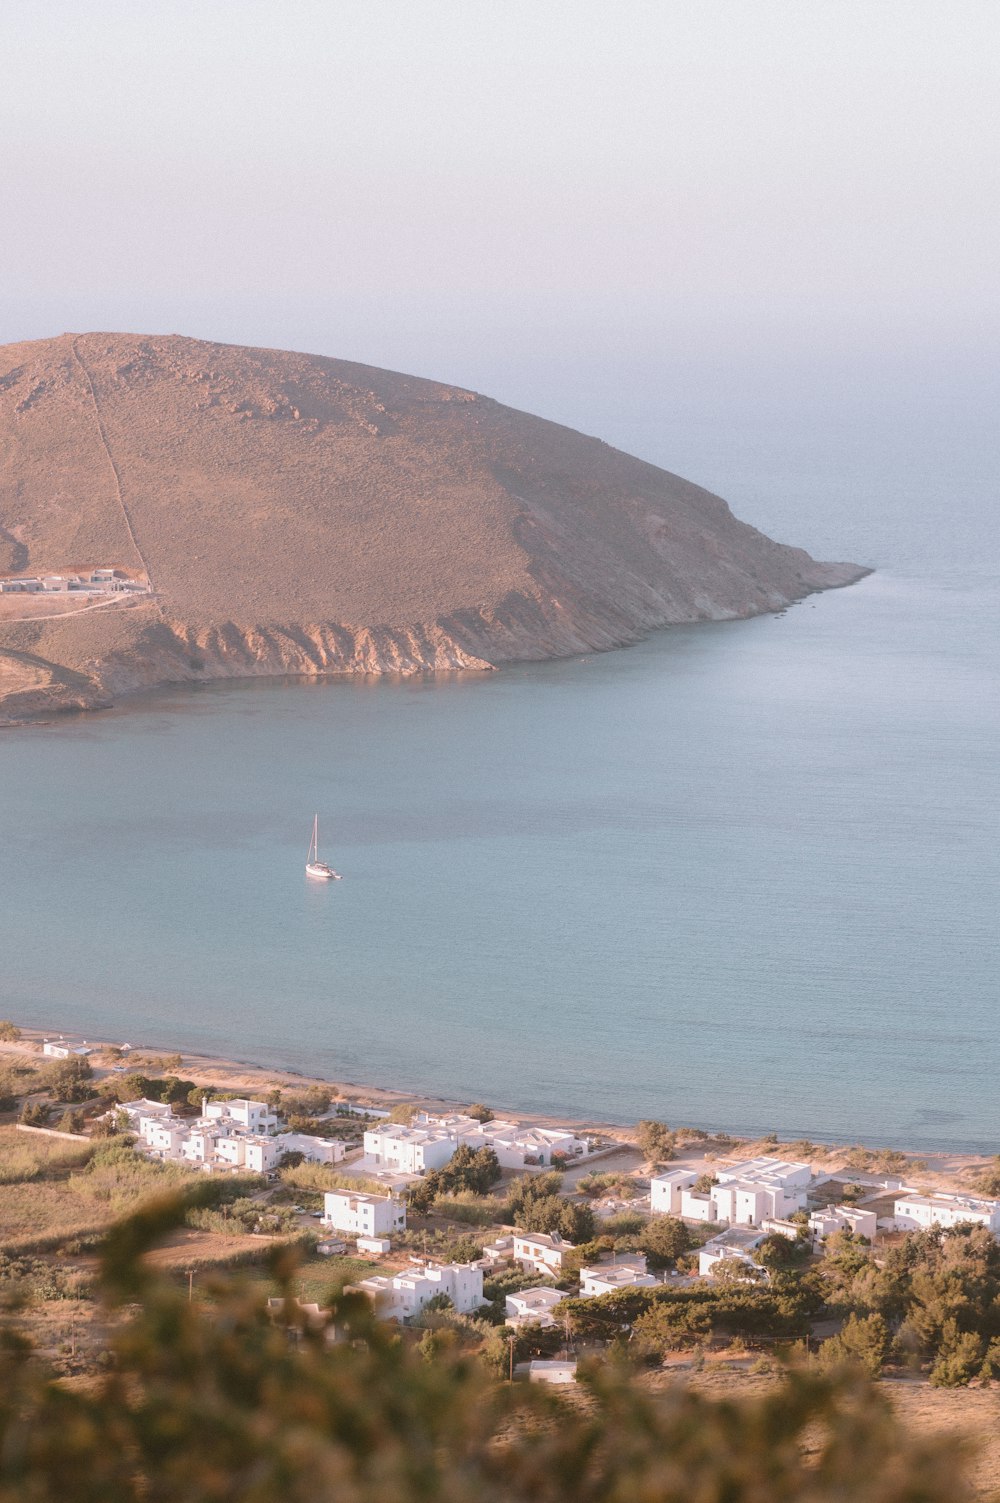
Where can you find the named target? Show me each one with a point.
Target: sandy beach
(943, 1171)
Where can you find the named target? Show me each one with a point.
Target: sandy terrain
(296, 514)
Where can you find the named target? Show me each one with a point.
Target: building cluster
(92, 582)
(430, 1141)
(745, 1194)
(237, 1134)
(400, 1296)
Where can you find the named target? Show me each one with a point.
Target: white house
(261, 1154)
(408, 1150)
(516, 1146)
(746, 1194)
(540, 1251)
(532, 1307)
(375, 1246)
(363, 1215)
(498, 1251)
(136, 1110)
(401, 1296)
(609, 1278)
(732, 1243)
(315, 1150)
(59, 1049)
(843, 1218)
(665, 1191)
(163, 1135)
(923, 1211)
(252, 1116)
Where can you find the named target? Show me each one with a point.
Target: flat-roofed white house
(733, 1243)
(401, 1296)
(532, 1307)
(516, 1146)
(844, 1218)
(260, 1153)
(59, 1049)
(609, 1278)
(540, 1251)
(920, 1212)
(665, 1191)
(136, 1110)
(361, 1215)
(408, 1150)
(314, 1150)
(163, 1135)
(253, 1116)
(24, 586)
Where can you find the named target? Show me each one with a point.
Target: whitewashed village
(729, 1213)
(543, 1244)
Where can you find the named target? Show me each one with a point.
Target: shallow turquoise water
(742, 875)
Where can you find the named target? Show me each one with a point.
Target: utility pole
(511, 1340)
(190, 1274)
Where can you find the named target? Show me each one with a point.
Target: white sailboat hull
(321, 872)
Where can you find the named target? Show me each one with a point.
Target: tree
(863, 1340)
(9, 1032)
(664, 1240)
(71, 1121)
(960, 1358)
(479, 1112)
(403, 1112)
(656, 1141)
(69, 1079)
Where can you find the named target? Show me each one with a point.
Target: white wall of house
(402, 1295)
(532, 1307)
(608, 1280)
(916, 1212)
(254, 1116)
(824, 1223)
(665, 1191)
(408, 1150)
(363, 1215)
(539, 1251)
(315, 1150)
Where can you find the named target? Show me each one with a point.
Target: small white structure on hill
(361, 1215)
(609, 1278)
(532, 1307)
(252, 1116)
(734, 1243)
(919, 1212)
(552, 1370)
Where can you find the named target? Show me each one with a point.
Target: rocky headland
(301, 515)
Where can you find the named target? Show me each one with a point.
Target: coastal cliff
(293, 514)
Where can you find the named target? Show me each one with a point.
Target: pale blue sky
(506, 193)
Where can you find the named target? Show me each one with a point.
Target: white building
(314, 1150)
(362, 1215)
(376, 1247)
(734, 1243)
(665, 1191)
(59, 1049)
(540, 1251)
(516, 1146)
(532, 1307)
(744, 1194)
(401, 1296)
(843, 1218)
(252, 1116)
(610, 1278)
(919, 1212)
(408, 1150)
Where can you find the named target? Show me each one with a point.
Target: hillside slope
(296, 514)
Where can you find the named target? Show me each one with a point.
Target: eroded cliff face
(297, 515)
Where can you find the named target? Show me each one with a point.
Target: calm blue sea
(741, 875)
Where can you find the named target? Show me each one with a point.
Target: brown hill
(296, 514)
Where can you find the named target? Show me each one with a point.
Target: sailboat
(314, 866)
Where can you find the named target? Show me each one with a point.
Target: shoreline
(936, 1168)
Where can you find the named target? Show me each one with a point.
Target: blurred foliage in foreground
(201, 1405)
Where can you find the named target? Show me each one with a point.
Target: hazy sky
(503, 192)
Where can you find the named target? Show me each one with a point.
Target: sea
(740, 875)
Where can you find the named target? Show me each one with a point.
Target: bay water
(740, 875)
